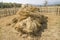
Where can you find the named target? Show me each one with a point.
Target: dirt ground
(52, 32)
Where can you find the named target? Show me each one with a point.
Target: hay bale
(29, 22)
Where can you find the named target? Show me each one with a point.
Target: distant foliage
(9, 5)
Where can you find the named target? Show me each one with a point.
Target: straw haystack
(29, 22)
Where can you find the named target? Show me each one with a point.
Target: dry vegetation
(30, 24)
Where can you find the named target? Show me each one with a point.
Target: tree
(45, 4)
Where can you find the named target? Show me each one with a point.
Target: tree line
(9, 5)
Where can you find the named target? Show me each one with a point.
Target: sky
(36, 2)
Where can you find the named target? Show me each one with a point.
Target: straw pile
(28, 22)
